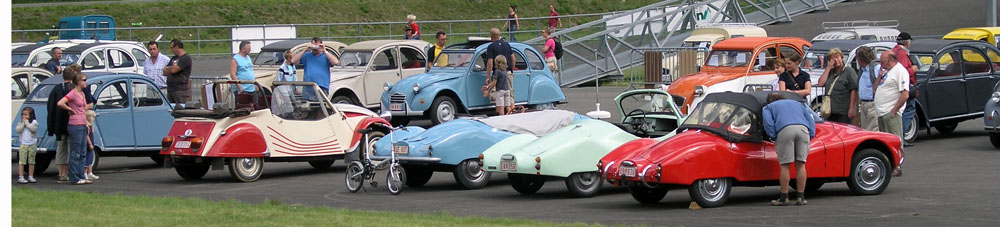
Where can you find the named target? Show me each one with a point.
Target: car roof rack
(726, 25)
(841, 25)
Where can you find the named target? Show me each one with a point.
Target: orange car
(734, 64)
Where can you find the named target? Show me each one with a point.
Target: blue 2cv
(453, 84)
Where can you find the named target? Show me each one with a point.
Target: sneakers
(80, 182)
(62, 179)
(801, 200)
(91, 176)
(781, 201)
(21, 180)
(31, 179)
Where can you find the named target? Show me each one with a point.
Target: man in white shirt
(153, 66)
(891, 94)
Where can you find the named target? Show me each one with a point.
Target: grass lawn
(32, 207)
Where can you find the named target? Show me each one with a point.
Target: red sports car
(721, 144)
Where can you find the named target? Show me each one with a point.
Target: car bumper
(409, 159)
(992, 121)
(403, 106)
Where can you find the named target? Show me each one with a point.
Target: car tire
(395, 179)
(97, 160)
(526, 184)
(470, 175)
(584, 184)
(710, 193)
(870, 172)
(354, 176)
(417, 176)
(246, 169)
(322, 164)
(42, 163)
(442, 110)
(911, 135)
(947, 128)
(158, 159)
(340, 99)
(191, 172)
(647, 195)
(994, 139)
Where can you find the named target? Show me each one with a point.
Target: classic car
(454, 146)
(732, 65)
(271, 56)
(445, 91)
(991, 116)
(955, 78)
(570, 152)
(859, 30)
(366, 66)
(986, 34)
(814, 61)
(242, 130)
(721, 144)
(107, 57)
(704, 37)
(23, 81)
(36, 55)
(131, 114)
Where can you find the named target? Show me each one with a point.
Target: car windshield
(704, 44)
(355, 58)
(270, 58)
(18, 59)
(814, 60)
(728, 58)
(68, 59)
(648, 103)
(712, 115)
(41, 93)
(453, 59)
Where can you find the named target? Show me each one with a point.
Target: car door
(946, 87)
(305, 125)
(384, 67)
(521, 77)
(120, 61)
(537, 71)
(150, 113)
(114, 115)
(978, 78)
(412, 62)
(474, 82)
(94, 61)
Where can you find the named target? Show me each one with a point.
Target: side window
(763, 57)
(145, 94)
(948, 65)
(519, 63)
(411, 58)
(140, 57)
(94, 60)
(974, 62)
(742, 123)
(480, 64)
(120, 59)
(113, 97)
(17, 86)
(787, 51)
(41, 58)
(533, 60)
(385, 60)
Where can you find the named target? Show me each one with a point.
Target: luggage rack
(727, 25)
(840, 25)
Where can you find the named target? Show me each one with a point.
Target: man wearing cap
(902, 52)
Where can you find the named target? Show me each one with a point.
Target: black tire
(442, 110)
(417, 176)
(584, 184)
(191, 172)
(911, 135)
(158, 159)
(246, 169)
(399, 121)
(340, 99)
(647, 195)
(395, 179)
(97, 160)
(811, 185)
(994, 139)
(870, 172)
(946, 128)
(710, 193)
(354, 176)
(321, 164)
(42, 163)
(526, 184)
(470, 175)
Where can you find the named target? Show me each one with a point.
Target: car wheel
(946, 128)
(97, 160)
(395, 179)
(158, 159)
(442, 110)
(584, 184)
(647, 195)
(246, 169)
(994, 139)
(911, 135)
(417, 176)
(321, 164)
(42, 163)
(340, 99)
(399, 121)
(870, 172)
(354, 176)
(191, 172)
(526, 184)
(710, 193)
(470, 175)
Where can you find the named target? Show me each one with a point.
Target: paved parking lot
(949, 180)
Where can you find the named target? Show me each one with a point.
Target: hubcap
(248, 165)
(712, 189)
(445, 111)
(371, 145)
(588, 179)
(870, 173)
(913, 129)
(473, 171)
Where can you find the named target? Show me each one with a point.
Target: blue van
(102, 24)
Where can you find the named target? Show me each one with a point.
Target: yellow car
(985, 34)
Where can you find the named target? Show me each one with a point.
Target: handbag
(825, 109)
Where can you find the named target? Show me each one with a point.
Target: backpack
(558, 50)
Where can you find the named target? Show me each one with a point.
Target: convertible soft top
(538, 123)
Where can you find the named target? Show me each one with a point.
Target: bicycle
(358, 171)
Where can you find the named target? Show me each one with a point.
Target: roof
(28, 48)
(375, 44)
(844, 45)
(932, 45)
(284, 44)
(82, 47)
(971, 33)
(754, 101)
(745, 43)
(97, 76)
(15, 70)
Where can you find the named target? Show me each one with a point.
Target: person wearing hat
(902, 52)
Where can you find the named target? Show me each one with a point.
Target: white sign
(256, 34)
(702, 14)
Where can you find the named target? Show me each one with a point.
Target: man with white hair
(902, 52)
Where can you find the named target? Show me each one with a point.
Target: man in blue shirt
(317, 64)
(866, 94)
(53, 64)
(791, 125)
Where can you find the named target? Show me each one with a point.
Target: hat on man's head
(904, 36)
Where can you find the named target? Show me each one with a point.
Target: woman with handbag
(841, 97)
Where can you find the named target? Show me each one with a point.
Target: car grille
(678, 100)
(397, 97)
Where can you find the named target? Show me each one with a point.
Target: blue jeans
(89, 161)
(909, 113)
(77, 152)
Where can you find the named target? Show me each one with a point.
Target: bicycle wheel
(355, 176)
(395, 179)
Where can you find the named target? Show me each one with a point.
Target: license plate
(627, 171)
(508, 166)
(396, 106)
(400, 149)
(182, 144)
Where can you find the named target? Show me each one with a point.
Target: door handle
(961, 80)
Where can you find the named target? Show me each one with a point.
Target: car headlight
(416, 87)
(995, 97)
(699, 91)
(386, 86)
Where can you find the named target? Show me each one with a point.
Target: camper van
(860, 29)
(102, 26)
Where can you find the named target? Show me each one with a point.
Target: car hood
(350, 108)
(425, 79)
(685, 143)
(684, 86)
(451, 133)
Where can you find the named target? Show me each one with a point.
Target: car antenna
(597, 114)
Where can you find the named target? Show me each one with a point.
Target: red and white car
(243, 129)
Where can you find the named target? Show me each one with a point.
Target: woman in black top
(794, 79)
(512, 23)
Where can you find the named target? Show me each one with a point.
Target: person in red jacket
(902, 52)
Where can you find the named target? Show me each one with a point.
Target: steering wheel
(639, 124)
